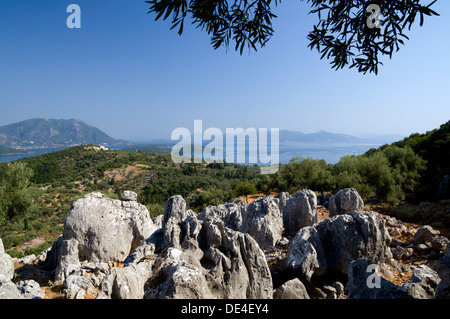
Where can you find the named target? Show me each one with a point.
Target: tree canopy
(348, 33)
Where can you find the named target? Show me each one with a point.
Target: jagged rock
(332, 244)
(77, 282)
(142, 253)
(175, 207)
(300, 211)
(439, 243)
(95, 222)
(48, 259)
(68, 262)
(6, 264)
(423, 283)
(345, 201)
(365, 283)
(340, 289)
(230, 213)
(424, 234)
(127, 282)
(306, 254)
(423, 249)
(29, 259)
(283, 197)
(205, 259)
(8, 290)
(443, 269)
(30, 289)
(128, 196)
(401, 253)
(292, 289)
(263, 221)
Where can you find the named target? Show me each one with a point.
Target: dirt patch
(131, 171)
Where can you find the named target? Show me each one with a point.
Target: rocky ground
(286, 247)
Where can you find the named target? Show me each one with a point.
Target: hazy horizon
(135, 79)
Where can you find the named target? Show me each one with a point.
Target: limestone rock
(6, 264)
(300, 211)
(283, 197)
(30, 289)
(424, 234)
(68, 262)
(263, 221)
(332, 244)
(423, 283)
(306, 254)
(345, 201)
(205, 259)
(106, 229)
(8, 290)
(126, 283)
(365, 283)
(230, 213)
(292, 289)
(128, 196)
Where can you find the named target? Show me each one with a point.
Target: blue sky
(135, 79)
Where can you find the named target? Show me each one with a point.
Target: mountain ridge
(53, 133)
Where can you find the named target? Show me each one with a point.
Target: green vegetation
(36, 207)
(387, 174)
(37, 192)
(434, 148)
(342, 33)
(15, 196)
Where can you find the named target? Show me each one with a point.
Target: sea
(330, 152)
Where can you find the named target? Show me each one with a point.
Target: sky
(135, 79)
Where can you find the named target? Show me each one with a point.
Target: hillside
(51, 133)
(434, 147)
(61, 177)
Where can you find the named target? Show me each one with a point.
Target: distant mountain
(51, 133)
(11, 151)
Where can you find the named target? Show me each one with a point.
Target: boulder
(126, 283)
(204, 259)
(283, 197)
(95, 222)
(345, 201)
(300, 211)
(8, 290)
(30, 289)
(306, 254)
(439, 243)
(401, 253)
(230, 213)
(263, 221)
(443, 269)
(423, 283)
(365, 282)
(424, 234)
(68, 262)
(128, 196)
(332, 244)
(292, 289)
(6, 264)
